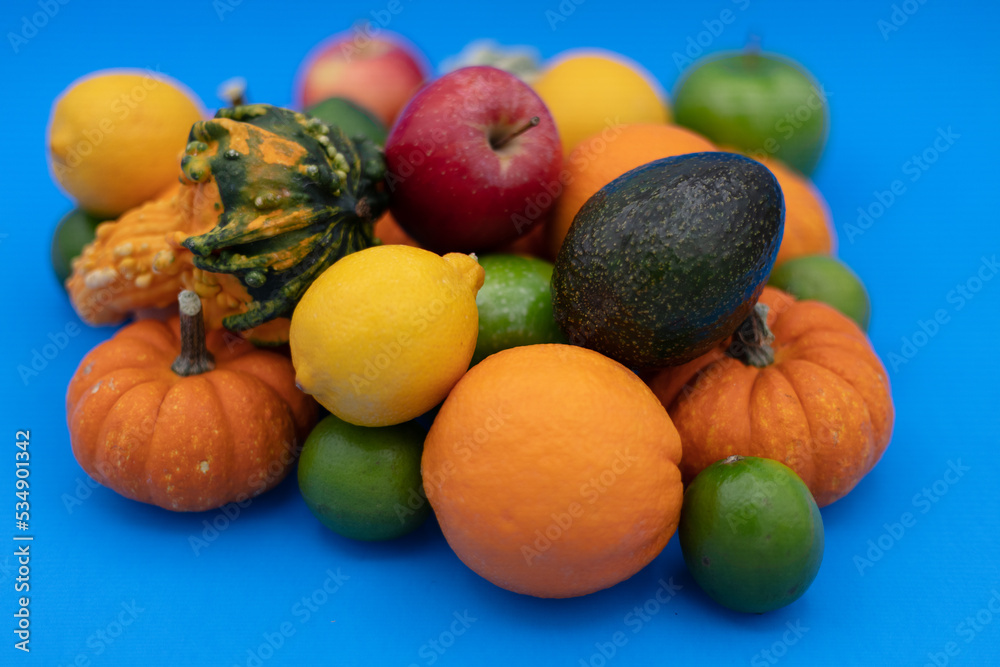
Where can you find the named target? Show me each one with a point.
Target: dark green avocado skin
(667, 260)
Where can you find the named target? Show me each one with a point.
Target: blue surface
(116, 583)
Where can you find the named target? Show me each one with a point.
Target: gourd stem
(752, 339)
(194, 357)
(363, 209)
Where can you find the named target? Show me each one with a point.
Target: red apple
(473, 160)
(380, 73)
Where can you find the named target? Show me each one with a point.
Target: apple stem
(752, 50)
(500, 143)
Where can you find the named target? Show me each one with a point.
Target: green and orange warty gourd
(803, 387)
(268, 198)
(164, 415)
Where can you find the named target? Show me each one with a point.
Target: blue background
(889, 95)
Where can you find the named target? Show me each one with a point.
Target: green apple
(759, 103)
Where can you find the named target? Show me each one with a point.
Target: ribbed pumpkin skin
(823, 408)
(185, 443)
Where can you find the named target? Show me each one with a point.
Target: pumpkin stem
(752, 339)
(194, 357)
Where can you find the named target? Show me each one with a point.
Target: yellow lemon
(116, 137)
(384, 334)
(592, 91)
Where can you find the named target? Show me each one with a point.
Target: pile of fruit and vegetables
(568, 324)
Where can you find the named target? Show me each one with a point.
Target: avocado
(667, 260)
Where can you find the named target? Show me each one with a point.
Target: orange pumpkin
(812, 395)
(164, 415)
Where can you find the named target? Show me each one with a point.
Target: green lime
(515, 305)
(827, 279)
(362, 482)
(751, 533)
(354, 120)
(75, 230)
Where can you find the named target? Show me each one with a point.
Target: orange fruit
(589, 90)
(603, 157)
(808, 224)
(116, 138)
(552, 471)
